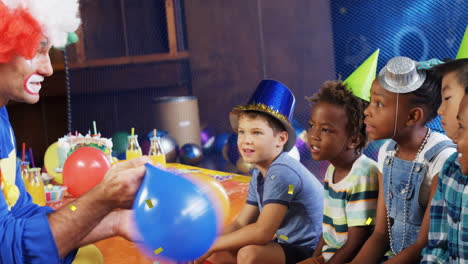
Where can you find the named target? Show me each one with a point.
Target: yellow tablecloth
(117, 250)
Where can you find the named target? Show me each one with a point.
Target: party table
(117, 250)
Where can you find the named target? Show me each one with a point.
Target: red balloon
(84, 169)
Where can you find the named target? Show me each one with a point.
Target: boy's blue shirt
(289, 183)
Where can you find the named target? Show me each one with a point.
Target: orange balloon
(216, 192)
(84, 169)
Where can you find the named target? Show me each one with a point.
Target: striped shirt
(349, 202)
(448, 232)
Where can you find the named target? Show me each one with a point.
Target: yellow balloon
(214, 188)
(51, 162)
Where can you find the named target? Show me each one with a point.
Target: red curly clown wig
(23, 23)
(20, 34)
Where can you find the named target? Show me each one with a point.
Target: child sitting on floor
(337, 133)
(281, 222)
(403, 100)
(448, 221)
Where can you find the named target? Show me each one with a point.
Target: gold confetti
(149, 203)
(291, 189)
(369, 221)
(157, 251)
(72, 207)
(285, 238)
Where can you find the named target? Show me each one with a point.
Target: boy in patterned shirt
(449, 216)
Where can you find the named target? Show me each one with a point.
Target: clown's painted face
(21, 78)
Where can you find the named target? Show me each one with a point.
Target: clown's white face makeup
(22, 78)
(32, 84)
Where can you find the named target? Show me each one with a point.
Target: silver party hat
(401, 76)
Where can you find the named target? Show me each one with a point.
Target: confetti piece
(157, 251)
(291, 189)
(149, 203)
(72, 207)
(369, 221)
(222, 177)
(283, 237)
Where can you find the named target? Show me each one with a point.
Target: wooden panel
(225, 55)
(55, 117)
(119, 111)
(128, 60)
(181, 26)
(129, 77)
(146, 27)
(171, 27)
(39, 125)
(54, 85)
(99, 108)
(298, 47)
(235, 44)
(102, 28)
(31, 129)
(57, 60)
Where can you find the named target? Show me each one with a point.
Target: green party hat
(463, 50)
(360, 81)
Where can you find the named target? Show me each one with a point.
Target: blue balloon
(122, 156)
(190, 154)
(174, 216)
(220, 141)
(159, 133)
(231, 150)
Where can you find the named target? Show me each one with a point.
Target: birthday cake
(70, 143)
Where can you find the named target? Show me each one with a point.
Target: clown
(26, 39)
(30, 233)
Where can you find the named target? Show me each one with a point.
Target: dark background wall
(235, 44)
(217, 50)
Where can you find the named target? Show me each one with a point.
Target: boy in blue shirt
(281, 222)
